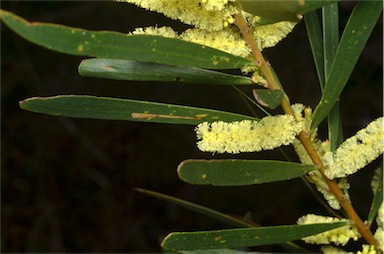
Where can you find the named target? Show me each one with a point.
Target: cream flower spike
(226, 40)
(247, 136)
(269, 35)
(338, 236)
(321, 148)
(211, 15)
(357, 151)
(164, 31)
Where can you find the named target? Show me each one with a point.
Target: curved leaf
(212, 214)
(282, 10)
(108, 44)
(377, 198)
(239, 172)
(268, 98)
(133, 70)
(84, 106)
(311, 5)
(277, 10)
(355, 35)
(234, 222)
(242, 237)
(315, 37)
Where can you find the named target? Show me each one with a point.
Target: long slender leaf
(377, 198)
(239, 172)
(282, 10)
(311, 5)
(216, 251)
(242, 237)
(133, 70)
(330, 42)
(232, 221)
(277, 10)
(353, 40)
(315, 37)
(84, 106)
(330, 35)
(107, 44)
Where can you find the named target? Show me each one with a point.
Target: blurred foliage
(67, 184)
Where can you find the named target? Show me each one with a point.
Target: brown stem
(304, 138)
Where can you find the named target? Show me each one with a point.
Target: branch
(345, 203)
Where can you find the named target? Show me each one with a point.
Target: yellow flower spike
(328, 249)
(357, 151)
(338, 236)
(269, 35)
(226, 40)
(247, 136)
(367, 249)
(164, 31)
(204, 14)
(321, 148)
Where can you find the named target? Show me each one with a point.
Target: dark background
(67, 184)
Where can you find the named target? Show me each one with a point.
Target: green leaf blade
(377, 198)
(108, 44)
(311, 5)
(242, 237)
(351, 45)
(315, 38)
(278, 10)
(239, 172)
(268, 98)
(282, 10)
(227, 219)
(134, 70)
(84, 106)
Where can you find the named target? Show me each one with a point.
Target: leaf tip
(180, 167)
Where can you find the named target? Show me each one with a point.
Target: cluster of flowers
(212, 21)
(247, 136)
(342, 235)
(213, 26)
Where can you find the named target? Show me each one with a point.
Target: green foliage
(106, 44)
(149, 57)
(268, 98)
(227, 219)
(239, 172)
(377, 197)
(242, 237)
(352, 42)
(134, 70)
(282, 10)
(84, 106)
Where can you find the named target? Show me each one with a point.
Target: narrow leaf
(242, 237)
(282, 10)
(232, 221)
(216, 251)
(108, 44)
(330, 42)
(377, 198)
(133, 70)
(355, 35)
(84, 106)
(311, 5)
(315, 38)
(277, 10)
(239, 172)
(268, 98)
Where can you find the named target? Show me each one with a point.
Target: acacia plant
(231, 34)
